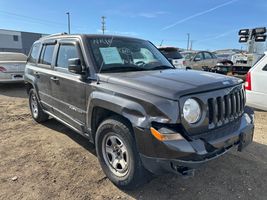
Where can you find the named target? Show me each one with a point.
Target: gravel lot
(49, 161)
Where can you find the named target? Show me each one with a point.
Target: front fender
(140, 112)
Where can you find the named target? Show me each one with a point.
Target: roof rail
(55, 34)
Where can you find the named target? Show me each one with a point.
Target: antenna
(103, 24)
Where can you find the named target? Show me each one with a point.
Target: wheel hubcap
(34, 106)
(115, 154)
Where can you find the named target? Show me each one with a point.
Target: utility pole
(68, 21)
(188, 39)
(103, 24)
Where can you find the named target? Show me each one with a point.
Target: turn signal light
(164, 137)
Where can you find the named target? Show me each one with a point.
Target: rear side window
(47, 54)
(65, 53)
(207, 55)
(199, 56)
(34, 53)
(214, 56)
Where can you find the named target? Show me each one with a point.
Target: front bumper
(182, 155)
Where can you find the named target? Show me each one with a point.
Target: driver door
(68, 90)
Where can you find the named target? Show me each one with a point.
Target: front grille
(224, 109)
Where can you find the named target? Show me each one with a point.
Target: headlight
(191, 111)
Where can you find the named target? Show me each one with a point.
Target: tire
(36, 110)
(115, 144)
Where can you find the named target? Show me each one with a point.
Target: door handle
(54, 78)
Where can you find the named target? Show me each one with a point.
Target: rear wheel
(36, 110)
(118, 156)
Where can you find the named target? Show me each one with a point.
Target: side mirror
(197, 59)
(75, 66)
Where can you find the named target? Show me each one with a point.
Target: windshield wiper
(161, 67)
(122, 69)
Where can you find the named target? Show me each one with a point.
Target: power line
(37, 20)
(32, 18)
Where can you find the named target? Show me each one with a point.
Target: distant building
(17, 41)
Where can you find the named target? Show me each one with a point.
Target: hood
(172, 83)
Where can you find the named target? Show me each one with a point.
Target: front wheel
(118, 156)
(36, 110)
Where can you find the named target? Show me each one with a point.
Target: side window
(264, 68)
(214, 56)
(65, 53)
(47, 54)
(207, 55)
(199, 56)
(34, 53)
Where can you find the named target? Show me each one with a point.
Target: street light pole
(103, 24)
(68, 21)
(188, 39)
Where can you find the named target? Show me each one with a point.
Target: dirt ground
(49, 161)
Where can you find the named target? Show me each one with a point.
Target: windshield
(125, 54)
(171, 53)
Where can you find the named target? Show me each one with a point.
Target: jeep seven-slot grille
(223, 109)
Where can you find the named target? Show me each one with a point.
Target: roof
(65, 35)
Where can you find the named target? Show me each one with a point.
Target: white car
(256, 84)
(174, 56)
(12, 67)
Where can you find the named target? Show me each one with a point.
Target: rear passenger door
(43, 72)
(209, 61)
(68, 91)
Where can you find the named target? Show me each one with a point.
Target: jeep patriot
(144, 116)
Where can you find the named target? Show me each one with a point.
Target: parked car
(143, 115)
(12, 67)
(256, 84)
(173, 55)
(201, 60)
(204, 60)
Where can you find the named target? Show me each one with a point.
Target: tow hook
(184, 171)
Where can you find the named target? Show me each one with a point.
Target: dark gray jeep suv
(143, 115)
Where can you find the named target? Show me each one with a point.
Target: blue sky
(212, 24)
